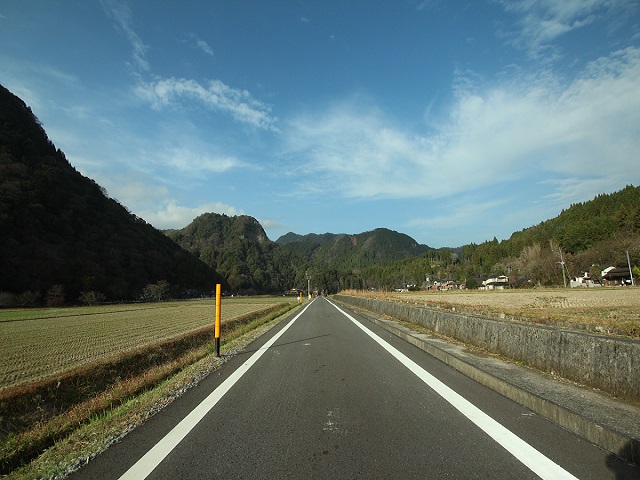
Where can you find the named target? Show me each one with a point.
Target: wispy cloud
(200, 44)
(543, 21)
(215, 95)
(162, 92)
(121, 13)
(461, 216)
(187, 160)
(524, 129)
(204, 46)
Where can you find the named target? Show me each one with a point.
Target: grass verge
(62, 434)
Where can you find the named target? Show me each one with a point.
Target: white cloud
(173, 215)
(215, 95)
(153, 202)
(130, 189)
(589, 129)
(121, 13)
(204, 46)
(192, 162)
(269, 224)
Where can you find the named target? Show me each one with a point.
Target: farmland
(36, 343)
(602, 310)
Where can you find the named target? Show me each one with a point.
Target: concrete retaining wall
(609, 364)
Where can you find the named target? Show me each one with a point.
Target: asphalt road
(328, 395)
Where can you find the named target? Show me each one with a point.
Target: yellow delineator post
(300, 298)
(218, 310)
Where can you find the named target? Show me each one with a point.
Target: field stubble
(614, 311)
(39, 343)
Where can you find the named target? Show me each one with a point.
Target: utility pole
(564, 278)
(630, 271)
(308, 284)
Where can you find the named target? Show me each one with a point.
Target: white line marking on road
(145, 465)
(532, 458)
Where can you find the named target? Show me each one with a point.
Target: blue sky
(451, 121)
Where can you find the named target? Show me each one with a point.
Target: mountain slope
(238, 248)
(59, 227)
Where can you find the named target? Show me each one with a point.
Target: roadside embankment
(610, 364)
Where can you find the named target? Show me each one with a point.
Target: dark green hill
(590, 235)
(238, 248)
(305, 246)
(377, 247)
(60, 228)
(583, 225)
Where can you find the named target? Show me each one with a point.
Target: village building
(584, 280)
(495, 282)
(613, 276)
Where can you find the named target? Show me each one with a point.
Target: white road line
(143, 467)
(532, 458)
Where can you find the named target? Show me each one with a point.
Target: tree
(91, 298)
(596, 273)
(55, 296)
(636, 221)
(155, 292)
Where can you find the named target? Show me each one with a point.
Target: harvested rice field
(36, 343)
(606, 310)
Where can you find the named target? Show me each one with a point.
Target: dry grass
(37, 343)
(605, 310)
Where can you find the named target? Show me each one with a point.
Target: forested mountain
(377, 247)
(305, 245)
(238, 248)
(589, 236)
(337, 261)
(61, 234)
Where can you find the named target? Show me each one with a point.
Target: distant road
(328, 395)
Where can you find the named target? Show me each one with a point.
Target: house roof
(617, 272)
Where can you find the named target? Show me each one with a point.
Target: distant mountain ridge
(375, 247)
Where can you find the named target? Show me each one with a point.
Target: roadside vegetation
(39, 414)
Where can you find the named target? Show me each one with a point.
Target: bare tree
(156, 292)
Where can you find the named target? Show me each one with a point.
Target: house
(496, 282)
(584, 280)
(448, 284)
(612, 276)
